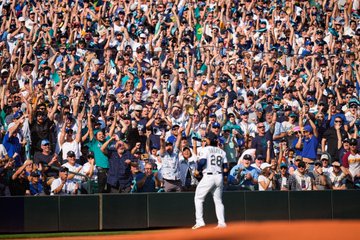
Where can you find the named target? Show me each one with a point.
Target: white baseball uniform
(212, 181)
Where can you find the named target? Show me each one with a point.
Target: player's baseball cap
(211, 136)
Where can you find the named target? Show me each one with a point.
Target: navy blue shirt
(119, 174)
(260, 144)
(149, 185)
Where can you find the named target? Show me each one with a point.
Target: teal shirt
(101, 160)
(233, 126)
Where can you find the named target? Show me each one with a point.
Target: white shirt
(68, 188)
(264, 179)
(336, 180)
(170, 168)
(86, 168)
(3, 151)
(74, 168)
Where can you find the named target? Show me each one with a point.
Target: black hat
(211, 136)
(302, 164)
(287, 108)
(63, 169)
(353, 141)
(260, 157)
(247, 157)
(70, 154)
(126, 117)
(35, 174)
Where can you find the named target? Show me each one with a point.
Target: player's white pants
(213, 183)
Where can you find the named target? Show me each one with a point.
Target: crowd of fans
(118, 96)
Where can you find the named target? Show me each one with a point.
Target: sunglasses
(338, 121)
(261, 127)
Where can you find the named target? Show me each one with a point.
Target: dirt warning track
(296, 230)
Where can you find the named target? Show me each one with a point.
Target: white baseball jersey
(215, 158)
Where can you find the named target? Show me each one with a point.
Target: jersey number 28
(216, 160)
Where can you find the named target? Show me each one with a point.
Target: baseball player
(212, 164)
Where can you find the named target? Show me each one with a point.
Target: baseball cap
(44, 142)
(283, 165)
(138, 108)
(35, 174)
(211, 136)
(175, 126)
(91, 154)
(170, 140)
(212, 115)
(244, 112)
(287, 108)
(298, 158)
(182, 70)
(126, 117)
(264, 165)
(260, 157)
(247, 157)
(18, 114)
(324, 156)
(308, 128)
(277, 97)
(302, 164)
(317, 163)
(216, 125)
(292, 114)
(353, 141)
(240, 98)
(63, 169)
(336, 164)
(70, 154)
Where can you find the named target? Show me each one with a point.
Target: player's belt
(210, 173)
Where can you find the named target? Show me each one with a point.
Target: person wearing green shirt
(96, 139)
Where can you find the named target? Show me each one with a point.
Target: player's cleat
(197, 226)
(220, 226)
